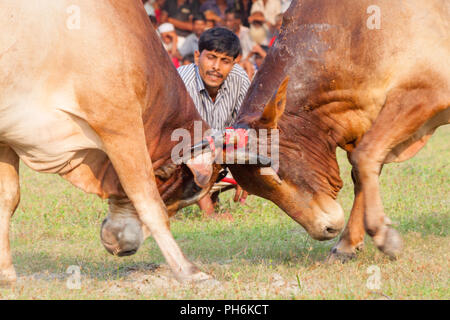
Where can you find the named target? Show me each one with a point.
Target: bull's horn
(242, 156)
(200, 146)
(269, 171)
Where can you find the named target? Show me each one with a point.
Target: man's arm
(183, 25)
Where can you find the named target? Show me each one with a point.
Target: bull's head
(301, 187)
(122, 232)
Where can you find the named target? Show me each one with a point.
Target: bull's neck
(170, 108)
(316, 140)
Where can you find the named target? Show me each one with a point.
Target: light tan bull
(88, 92)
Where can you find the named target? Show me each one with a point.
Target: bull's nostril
(331, 230)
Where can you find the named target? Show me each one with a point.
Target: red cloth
(229, 180)
(272, 41)
(241, 134)
(175, 62)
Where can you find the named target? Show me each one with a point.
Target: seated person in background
(257, 55)
(254, 41)
(153, 8)
(190, 44)
(233, 22)
(269, 8)
(217, 6)
(180, 13)
(187, 59)
(243, 7)
(168, 37)
(212, 19)
(217, 85)
(259, 30)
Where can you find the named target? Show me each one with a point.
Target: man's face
(198, 27)
(166, 37)
(231, 22)
(257, 32)
(213, 67)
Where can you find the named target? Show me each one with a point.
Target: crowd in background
(180, 23)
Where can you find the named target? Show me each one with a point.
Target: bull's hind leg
(405, 111)
(9, 199)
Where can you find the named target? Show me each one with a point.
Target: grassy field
(262, 254)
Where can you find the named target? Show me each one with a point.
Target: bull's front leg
(352, 239)
(128, 153)
(9, 199)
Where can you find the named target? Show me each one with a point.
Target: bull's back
(372, 39)
(51, 52)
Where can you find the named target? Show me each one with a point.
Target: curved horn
(269, 171)
(244, 156)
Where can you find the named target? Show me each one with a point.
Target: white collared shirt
(223, 111)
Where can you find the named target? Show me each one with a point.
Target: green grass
(262, 254)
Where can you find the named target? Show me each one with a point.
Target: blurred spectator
(217, 6)
(269, 8)
(285, 5)
(148, 8)
(278, 23)
(190, 45)
(179, 13)
(257, 55)
(212, 19)
(243, 7)
(234, 23)
(169, 40)
(188, 59)
(153, 8)
(258, 28)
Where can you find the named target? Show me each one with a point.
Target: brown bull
(371, 77)
(88, 92)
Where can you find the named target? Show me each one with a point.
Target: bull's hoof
(196, 277)
(343, 252)
(8, 277)
(392, 245)
(336, 255)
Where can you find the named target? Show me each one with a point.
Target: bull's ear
(275, 108)
(202, 169)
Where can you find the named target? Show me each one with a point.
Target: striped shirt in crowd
(223, 111)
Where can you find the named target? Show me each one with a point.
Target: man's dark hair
(189, 57)
(236, 14)
(198, 16)
(220, 40)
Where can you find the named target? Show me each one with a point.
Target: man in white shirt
(217, 85)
